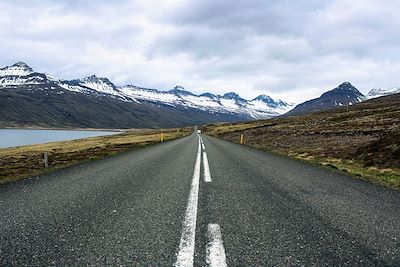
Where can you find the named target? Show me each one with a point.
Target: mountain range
(229, 106)
(31, 98)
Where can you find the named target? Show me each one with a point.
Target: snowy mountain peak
(99, 84)
(264, 98)
(377, 92)
(343, 95)
(230, 104)
(347, 89)
(231, 95)
(21, 64)
(179, 87)
(18, 69)
(346, 86)
(179, 90)
(96, 79)
(271, 102)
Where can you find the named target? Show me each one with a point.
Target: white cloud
(292, 50)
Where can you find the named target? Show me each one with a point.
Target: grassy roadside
(24, 161)
(364, 142)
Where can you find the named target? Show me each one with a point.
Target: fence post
(46, 160)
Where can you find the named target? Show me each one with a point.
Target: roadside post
(241, 139)
(162, 137)
(46, 160)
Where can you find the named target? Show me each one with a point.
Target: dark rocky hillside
(345, 94)
(53, 106)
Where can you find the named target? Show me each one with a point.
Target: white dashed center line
(215, 253)
(206, 167)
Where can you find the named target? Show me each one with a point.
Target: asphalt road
(163, 205)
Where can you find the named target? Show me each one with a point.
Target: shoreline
(25, 161)
(65, 129)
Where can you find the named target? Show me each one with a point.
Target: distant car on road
(198, 131)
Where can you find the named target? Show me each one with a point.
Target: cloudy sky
(293, 50)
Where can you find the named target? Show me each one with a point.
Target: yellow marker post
(241, 139)
(162, 137)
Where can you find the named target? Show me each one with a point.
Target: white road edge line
(185, 255)
(207, 175)
(215, 253)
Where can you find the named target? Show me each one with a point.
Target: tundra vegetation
(20, 162)
(363, 141)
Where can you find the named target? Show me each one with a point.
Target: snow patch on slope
(229, 103)
(377, 92)
(101, 85)
(17, 69)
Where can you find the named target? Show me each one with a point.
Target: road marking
(215, 253)
(207, 175)
(202, 143)
(185, 255)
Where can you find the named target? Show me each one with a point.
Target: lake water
(21, 137)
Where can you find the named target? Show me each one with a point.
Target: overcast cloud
(293, 50)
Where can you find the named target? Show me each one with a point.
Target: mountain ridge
(343, 95)
(31, 98)
(102, 85)
(160, 106)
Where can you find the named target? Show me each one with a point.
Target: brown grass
(20, 162)
(364, 142)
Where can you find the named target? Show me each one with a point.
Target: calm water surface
(14, 137)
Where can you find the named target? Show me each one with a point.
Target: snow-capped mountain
(101, 85)
(17, 69)
(230, 103)
(343, 95)
(376, 92)
(257, 108)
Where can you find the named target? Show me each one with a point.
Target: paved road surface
(192, 203)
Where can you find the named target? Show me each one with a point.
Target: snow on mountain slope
(17, 69)
(73, 87)
(228, 103)
(20, 74)
(33, 78)
(279, 106)
(376, 92)
(151, 95)
(101, 85)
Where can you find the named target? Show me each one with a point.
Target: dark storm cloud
(282, 17)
